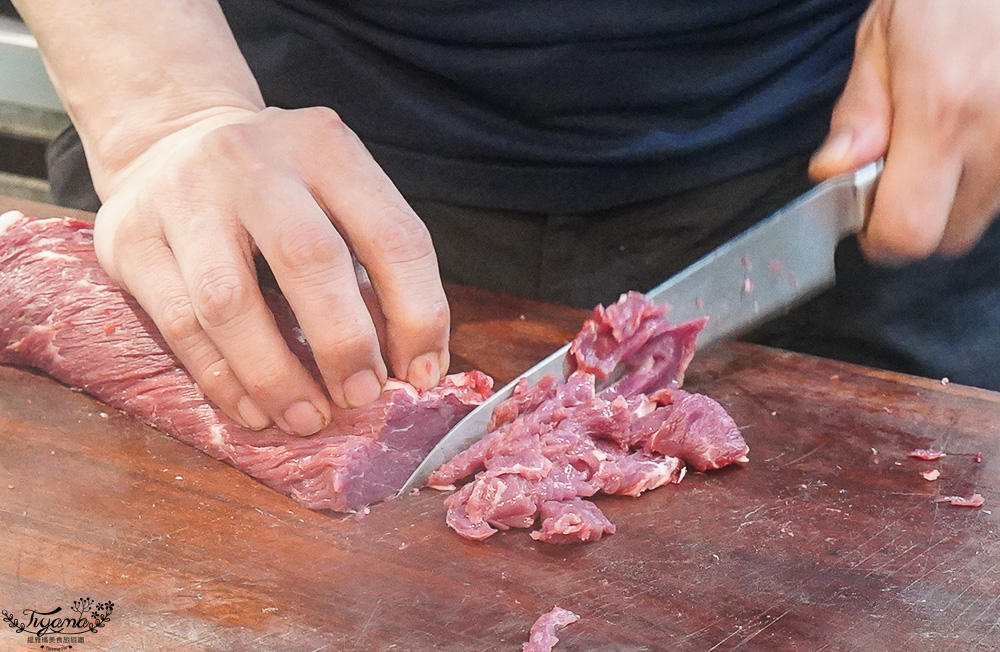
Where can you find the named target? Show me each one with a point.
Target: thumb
(861, 121)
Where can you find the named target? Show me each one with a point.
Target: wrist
(116, 152)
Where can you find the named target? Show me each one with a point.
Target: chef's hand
(182, 222)
(924, 92)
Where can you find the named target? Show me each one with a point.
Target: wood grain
(828, 540)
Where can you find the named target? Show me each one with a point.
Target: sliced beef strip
(635, 332)
(694, 428)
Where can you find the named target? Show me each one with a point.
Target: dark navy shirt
(558, 105)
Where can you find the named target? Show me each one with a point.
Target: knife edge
(801, 235)
(472, 427)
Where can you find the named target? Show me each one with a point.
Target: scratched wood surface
(828, 540)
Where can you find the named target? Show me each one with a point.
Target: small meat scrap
(931, 475)
(926, 454)
(975, 500)
(543, 633)
(553, 445)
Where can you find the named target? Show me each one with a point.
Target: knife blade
(766, 270)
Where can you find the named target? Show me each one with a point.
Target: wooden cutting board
(828, 540)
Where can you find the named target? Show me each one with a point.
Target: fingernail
(252, 415)
(303, 418)
(362, 388)
(836, 148)
(424, 371)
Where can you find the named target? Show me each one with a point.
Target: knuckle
(437, 315)
(346, 343)
(264, 382)
(271, 113)
(233, 142)
(309, 248)
(127, 230)
(911, 241)
(432, 316)
(351, 337)
(957, 103)
(140, 226)
(402, 237)
(216, 380)
(217, 377)
(955, 110)
(178, 320)
(324, 118)
(222, 296)
(134, 249)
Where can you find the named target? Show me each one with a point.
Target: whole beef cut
(60, 313)
(553, 445)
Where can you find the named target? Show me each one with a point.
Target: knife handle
(865, 182)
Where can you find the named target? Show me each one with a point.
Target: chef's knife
(763, 272)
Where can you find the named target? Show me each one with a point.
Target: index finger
(315, 270)
(395, 248)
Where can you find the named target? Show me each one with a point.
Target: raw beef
(975, 500)
(552, 445)
(694, 428)
(572, 520)
(926, 454)
(524, 398)
(60, 313)
(634, 331)
(564, 450)
(543, 633)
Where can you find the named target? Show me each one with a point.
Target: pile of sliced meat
(60, 313)
(553, 445)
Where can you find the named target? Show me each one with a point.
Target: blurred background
(30, 112)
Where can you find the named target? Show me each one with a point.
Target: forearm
(133, 71)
